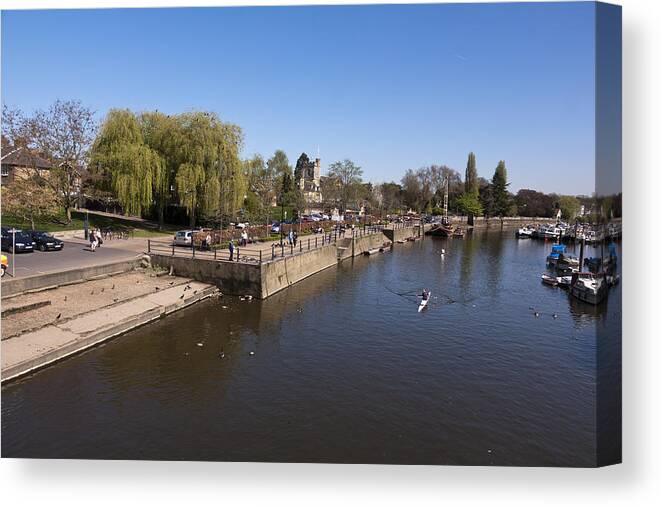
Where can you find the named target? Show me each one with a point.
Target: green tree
(134, 168)
(349, 178)
(569, 206)
(500, 196)
(469, 204)
(279, 165)
(471, 185)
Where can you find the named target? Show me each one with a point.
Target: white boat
(548, 232)
(589, 288)
(524, 232)
(564, 281)
(424, 302)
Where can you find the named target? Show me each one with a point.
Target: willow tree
(209, 178)
(135, 169)
(162, 134)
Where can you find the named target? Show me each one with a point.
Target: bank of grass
(58, 223)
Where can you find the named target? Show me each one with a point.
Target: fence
(264, 252)
(239, 254)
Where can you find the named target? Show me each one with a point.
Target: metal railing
(238, 254)
(278, 249)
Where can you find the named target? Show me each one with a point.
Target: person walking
(231, 247)
(290, 238)
(92, 239)
(295, 238)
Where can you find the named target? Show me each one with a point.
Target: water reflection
(344, 370)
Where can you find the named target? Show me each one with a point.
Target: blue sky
(390, 87)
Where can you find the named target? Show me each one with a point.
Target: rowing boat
(424, 302)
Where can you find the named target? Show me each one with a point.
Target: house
(20, 163)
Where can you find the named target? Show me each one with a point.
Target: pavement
(75, 254)
(39, 335)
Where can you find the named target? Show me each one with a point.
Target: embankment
(13, 286)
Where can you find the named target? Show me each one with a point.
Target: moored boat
(550, 280)
(589, 287)
(525, 232)
(556, 252)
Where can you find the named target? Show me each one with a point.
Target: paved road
(75, 254)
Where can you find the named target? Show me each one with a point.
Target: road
(75, 254)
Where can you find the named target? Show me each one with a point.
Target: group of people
(95, 239)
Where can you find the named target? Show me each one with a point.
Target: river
(344, 369)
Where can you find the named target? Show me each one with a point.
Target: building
(19, 163)
(307, 176)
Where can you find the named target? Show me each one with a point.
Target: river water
(345, 370)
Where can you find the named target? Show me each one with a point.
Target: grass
(58, 223)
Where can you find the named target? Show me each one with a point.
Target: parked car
(275, 227)
(44, 241)
(183, 238)
(241, 225)
(3, 264)
(24, 241)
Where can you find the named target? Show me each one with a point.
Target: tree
(194, 154)
(531, 203)
(262, 181)
(470, 181)
(500, 195)
(63, 135)
(469, 205)
(411, 189)
(29, 199)
(134, 168)
(349, 178)
(569, 206)
(301, 164)
(392, 196)
(278, 164)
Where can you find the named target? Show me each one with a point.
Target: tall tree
(63, 135)
(279, 165)
(299, 170)
(349, 177)
(471, 185)
(411, 189)
(501, 198)
(262, 181)
(133, 167)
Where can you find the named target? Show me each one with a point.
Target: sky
(390, 87)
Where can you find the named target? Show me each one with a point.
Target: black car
(44, 241)
(24, 242)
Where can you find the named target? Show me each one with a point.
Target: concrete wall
(281, 273)
(13, 286)
(362, 245)
(236, 278)
(401, 234)
(481, 222)
(262, 281)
